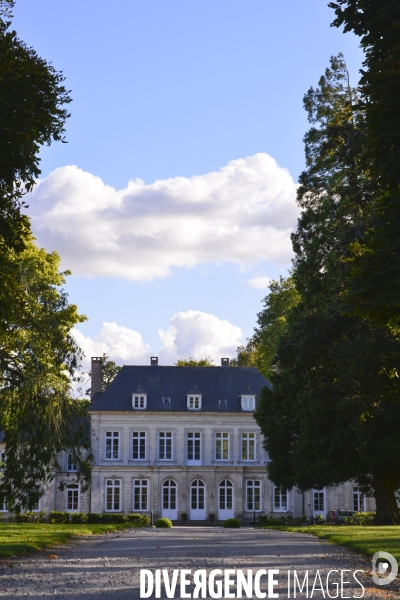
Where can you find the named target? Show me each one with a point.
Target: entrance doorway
(225, 500)
(197, 501)
(169, 500)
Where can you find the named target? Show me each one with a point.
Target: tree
(38, 356)
(330, 415)
(32, 113)
(373, 289)
(193, 362)
(273, 321)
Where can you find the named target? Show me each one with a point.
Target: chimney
(154, 361)
(97, 379)
(224, 362)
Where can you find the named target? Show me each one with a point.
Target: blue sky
(179, 96)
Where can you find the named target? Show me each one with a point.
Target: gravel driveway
(107, 567)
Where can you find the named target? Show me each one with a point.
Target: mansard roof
(215, 383)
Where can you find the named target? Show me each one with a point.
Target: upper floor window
(165, 445)
(248, 446)
(72, 466)
(222, 446)
(248, 402)
(2, 459)
(281, 499)
(113, 495)
(139, 445)
(112, 445)
(72, 497)
(194, 449)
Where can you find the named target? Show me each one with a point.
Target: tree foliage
(330, 415)
(193, 362)
(38, 356)
(32, 113)
(373, 290)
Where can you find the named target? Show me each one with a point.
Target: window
(248, 402)
(139, 445)
(2, 459)
(194, 402)
(222, 446)
(113, 495)
(112, 445)
(3, 504)
(319, 500)
(71, 466)
(248, 446)
(281, 497)
(358, 500)
(165, 445)
(253, 495)
(139, 401)
(140, 494)
(73, 497)
(193, 449)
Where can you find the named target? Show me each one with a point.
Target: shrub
(139, 520)
(58, 517)
(78, 518)
(163, 523)
(362, 518)
(233, 523)
(21, 518)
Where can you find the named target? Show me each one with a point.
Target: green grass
(366, 540)
(21, 538)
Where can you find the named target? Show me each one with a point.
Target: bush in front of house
(78, 518)
(58, 517)
(163, 522)
(231, 523)
(139, 520)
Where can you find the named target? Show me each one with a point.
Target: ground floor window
(281, 499)
(140, 494)
(72, 497)
(358, 500)
(3, 505)
(319, 500)
(113, 495)
(253, 495)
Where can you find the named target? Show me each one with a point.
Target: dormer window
(194, 402)
(139, 399)
(194, 399)
(248, 402)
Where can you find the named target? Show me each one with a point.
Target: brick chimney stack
(97, 379)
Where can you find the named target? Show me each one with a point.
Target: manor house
(183, 441)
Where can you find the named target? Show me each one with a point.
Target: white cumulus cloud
(241, 214)
(198, 334)
(260, 283)
(192, 333)
(123, 345)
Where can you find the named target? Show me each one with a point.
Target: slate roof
(2, 436)
(215, 383)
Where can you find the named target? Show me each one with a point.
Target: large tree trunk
(387, 511)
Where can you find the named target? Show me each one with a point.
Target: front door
(197, 501)
(169, 500)
(225, 500)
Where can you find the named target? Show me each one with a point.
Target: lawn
(21, 538)
(366, 540)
